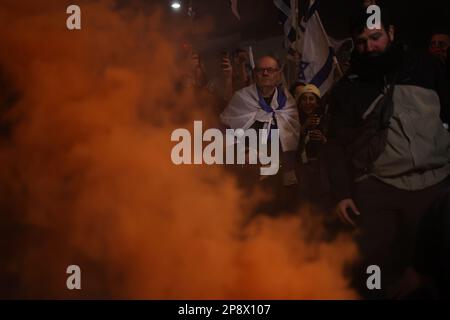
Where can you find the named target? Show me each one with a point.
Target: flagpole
(336, 62)
(297, 26)
(295, 22)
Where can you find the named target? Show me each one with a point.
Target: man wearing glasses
(266, 104)
(439, 44)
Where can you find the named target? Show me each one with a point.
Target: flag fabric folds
(288, 18)
(317, 63)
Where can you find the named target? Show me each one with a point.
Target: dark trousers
(433, 246)
(388, 228)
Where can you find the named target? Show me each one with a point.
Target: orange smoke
(87, 177)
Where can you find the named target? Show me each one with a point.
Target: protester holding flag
(236, 74)
(439, 43)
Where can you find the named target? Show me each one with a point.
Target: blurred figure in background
(439, 44)
(195, 75)
(236, 74)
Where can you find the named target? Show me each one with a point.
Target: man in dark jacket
(388, 152)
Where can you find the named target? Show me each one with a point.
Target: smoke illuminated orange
(87, 177)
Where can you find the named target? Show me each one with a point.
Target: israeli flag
(317, 64)
(288, 18)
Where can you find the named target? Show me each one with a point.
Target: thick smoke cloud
(87, 178)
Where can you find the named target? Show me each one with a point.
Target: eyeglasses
(438, 44)
(269, 70)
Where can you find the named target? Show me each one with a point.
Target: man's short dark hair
(439, 30)
(279, 64)
(360, 18)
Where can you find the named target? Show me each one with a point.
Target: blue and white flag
(288, 18)
(317, 64)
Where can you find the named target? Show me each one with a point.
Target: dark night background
(259, 18)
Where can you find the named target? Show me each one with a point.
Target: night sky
(259, 18)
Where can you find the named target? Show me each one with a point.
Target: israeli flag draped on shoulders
(317, 64)
(246, 107)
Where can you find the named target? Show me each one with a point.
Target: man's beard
(376, 64)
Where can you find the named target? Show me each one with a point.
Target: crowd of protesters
(374, 151)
